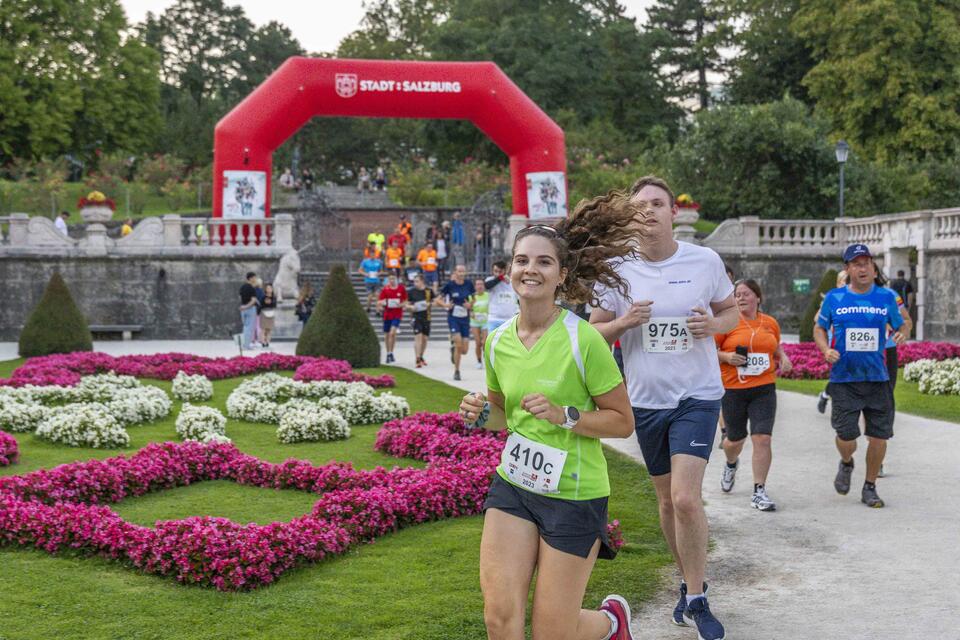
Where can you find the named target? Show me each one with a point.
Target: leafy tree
(339, 327)
(56, 324)
(267, 49)
(771, 61)
(886, 75)
(689, 35)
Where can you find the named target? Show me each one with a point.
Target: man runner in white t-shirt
(673, 378)
(503, 299)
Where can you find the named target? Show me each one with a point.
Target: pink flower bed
(63, 508)
(9, 453)
(66, 369)
(809, 363)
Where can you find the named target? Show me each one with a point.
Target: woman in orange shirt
(748, 357)
(395, 261)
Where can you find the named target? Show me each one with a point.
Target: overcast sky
(319, 26)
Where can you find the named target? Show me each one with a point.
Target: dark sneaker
(456, 375)
(822, 402)
(389, 358)
(698, 614)
(619, 609)
(842, 482)
(870, 498)
(682, 605)
(729, 476)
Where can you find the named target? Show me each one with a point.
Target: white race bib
(373, 274)
(460, 312)
(863, 339)
(532, 465)
(757, 364)
(431, 260)
(393, 303)
(666, 335)
(420, 305)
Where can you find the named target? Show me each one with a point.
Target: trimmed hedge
(56, 324)
(339, 327)
(827, 283)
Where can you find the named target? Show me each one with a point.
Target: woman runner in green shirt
(478, 318)
(553, 384)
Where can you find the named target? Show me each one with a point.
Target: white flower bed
(940, 378)
(302, 424)
(192, 388)
(201, 423)
(136, 406)
(84, 424)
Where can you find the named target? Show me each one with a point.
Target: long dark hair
(592, 243)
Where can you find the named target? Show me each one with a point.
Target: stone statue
(288, 272)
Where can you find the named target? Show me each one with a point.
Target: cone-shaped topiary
(827, 283)
(56, 324)
(339, 327)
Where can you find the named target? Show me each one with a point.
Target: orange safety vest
(427, 259)
(393, 257)
(405, 229)
(376, 253)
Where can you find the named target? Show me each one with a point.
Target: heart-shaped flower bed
(61, 509)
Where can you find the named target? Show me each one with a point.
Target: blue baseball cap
(854, 251)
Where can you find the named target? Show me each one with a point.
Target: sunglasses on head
(539, 227)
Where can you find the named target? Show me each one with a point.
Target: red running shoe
(618, 607)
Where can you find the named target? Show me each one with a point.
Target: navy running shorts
(689, 428)
(391, 324)
(459, 325)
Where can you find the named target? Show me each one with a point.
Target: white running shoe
(479, 365)
(729, 476)
(762, 501)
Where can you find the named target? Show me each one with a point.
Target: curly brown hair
(592, 243)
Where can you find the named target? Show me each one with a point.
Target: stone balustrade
(169, 235)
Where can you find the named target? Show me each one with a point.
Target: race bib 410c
(534, 466)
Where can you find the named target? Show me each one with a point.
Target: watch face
(573, 413)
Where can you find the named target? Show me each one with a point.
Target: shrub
(339, 327)
(56, 324)
(827, 283)
(200, 423)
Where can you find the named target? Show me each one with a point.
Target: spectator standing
(248, 309)
(268, 311)
(286, 179)
(306, 300)
(363, 180)
(258, 292)
(479, 252)
(306, 179)
(61, 223)
(441, 243)
(903, 288)
(427, 259)
(458, 238)
(380, 178)
(371, 269)
(127, 228)
(392, 298)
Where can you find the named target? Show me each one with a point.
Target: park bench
(126, 330)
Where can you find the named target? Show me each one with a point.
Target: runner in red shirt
(392, 298)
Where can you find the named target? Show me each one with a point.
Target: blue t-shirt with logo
(371, 265)
(891, 343)
(458, 294)
(860, 332)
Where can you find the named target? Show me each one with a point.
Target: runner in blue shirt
(455, 297)
(371, 268)
(859, 382)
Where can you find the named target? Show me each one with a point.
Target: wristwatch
(572, 414)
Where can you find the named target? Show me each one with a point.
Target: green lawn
(908, 397)
(421, 582)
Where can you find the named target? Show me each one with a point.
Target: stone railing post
(172, 233)
(686, 218)
(751, 231)
(283, 230)
(18, 229)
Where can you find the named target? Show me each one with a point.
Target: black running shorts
(421, 326)
(850, 399)
(756, 405)
(571, 526)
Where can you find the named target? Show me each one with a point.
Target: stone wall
(173, 298)
(943, 300)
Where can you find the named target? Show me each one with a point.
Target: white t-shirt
(61, 226)
(693, 276)
(503, 302)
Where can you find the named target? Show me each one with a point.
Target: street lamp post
(842, 150)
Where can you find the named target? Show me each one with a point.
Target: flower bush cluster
(933, 377)
(191, 388)
(305, 424)
(808, 362)
(266, 398)
(67, 369)
(84, 424)
(9, 452)
(203, 424)
(63, 508)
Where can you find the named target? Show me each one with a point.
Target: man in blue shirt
(371, 267)
(859, 314)
(456, 299)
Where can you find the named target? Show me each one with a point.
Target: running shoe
(419, 363)
(698, 614)
(456, 375)
(842, 482)
(682, 605)
(729, 476)
(762, 501)
(617, 607)
(389, 358)
(870, 498)
(479, 365)
(423, 362)
(822, 402)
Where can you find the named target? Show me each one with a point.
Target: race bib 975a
(666, 335)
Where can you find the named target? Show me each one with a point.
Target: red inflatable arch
(301, 88)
